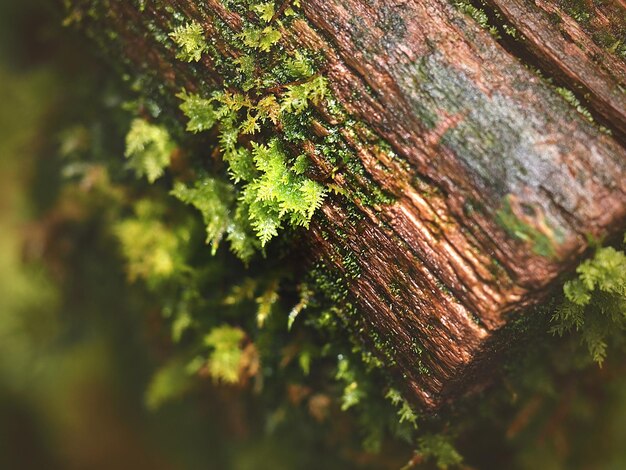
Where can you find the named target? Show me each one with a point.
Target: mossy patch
(531, 228)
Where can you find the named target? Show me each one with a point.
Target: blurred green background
(73, 363)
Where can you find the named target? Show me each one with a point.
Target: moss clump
(153, 251)
(439, 448)
(148, 149)
(269, 186)
(265, 88)
(190, 41)
(570, 97)
(224, 361)
(595, 302)
(478, 15)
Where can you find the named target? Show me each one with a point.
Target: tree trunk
(497, 181)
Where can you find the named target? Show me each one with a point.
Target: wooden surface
(567, 51)
(498, 182)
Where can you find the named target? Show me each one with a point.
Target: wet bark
(497, 181)
(586, 57)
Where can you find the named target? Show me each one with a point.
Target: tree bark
(568, 52)
(498, 182)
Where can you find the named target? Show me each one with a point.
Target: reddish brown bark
(498, 185)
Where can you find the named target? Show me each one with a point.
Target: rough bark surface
(498, 182)
(567, 51)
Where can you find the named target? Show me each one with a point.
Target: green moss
(154, 252)
(570, 97)
(478, 15)
(148, 149)
(190, 41)
(395, 289)
(543, 242)
(264, 88)
(271, 186)
(578, 10)
(224, 361)
(610, 37)
(595, 302)
(439, 448)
